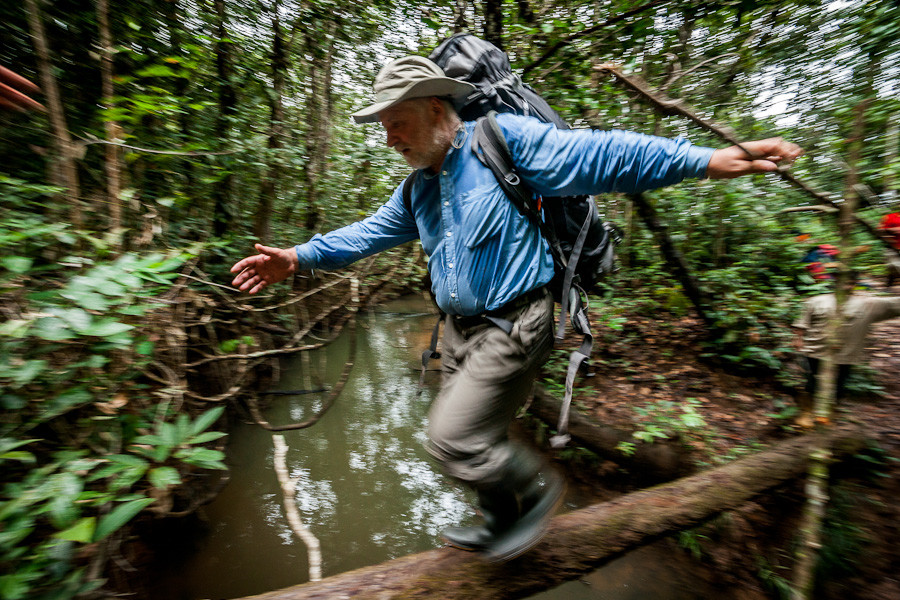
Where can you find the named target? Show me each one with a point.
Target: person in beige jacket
(860, 311)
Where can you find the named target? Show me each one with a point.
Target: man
(860, 311)
(487, 260)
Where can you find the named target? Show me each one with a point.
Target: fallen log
(650, 463)
(580, 541)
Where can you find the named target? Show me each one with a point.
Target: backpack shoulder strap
(489, 145)
(407, 191)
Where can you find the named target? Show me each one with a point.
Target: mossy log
(650, 463)
(580, 541)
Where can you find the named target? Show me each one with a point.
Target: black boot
(539, 500)
(500, 510)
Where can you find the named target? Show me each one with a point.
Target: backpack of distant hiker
(582, 246)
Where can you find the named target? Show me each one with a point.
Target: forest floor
(748, 553)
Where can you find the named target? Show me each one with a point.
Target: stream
(367, 488)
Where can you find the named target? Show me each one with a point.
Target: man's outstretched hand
(762, 156)
(270, 266)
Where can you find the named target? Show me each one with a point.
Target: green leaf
(16, 264)
(29, 371)
(119, 516)
(82, 531)
(65, 401)
(63, 489)
(163, 477)
(107, 328)
(157, 71)
(15, 585)
(53, 329)
(207, 436)
(206, 419)
(19, 455)
(87, 299)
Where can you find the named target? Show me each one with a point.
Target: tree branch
(590, 31)
(672, 107)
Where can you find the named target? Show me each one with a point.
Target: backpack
(582, 246)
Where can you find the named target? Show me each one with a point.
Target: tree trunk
(271, 178)
(174, 18)
(460, 23)
(319, 114)
(826, 395)
(650, 463)
(113, 165)
(580, 541)
(674, 259)
(223, 190)
(493, 22)
(64, 171)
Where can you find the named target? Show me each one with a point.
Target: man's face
(413, 130)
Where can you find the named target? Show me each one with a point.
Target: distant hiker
(489, 266)
(890, 224)
(860, 311)
(818, 259)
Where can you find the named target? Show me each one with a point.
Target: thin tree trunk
(320, 105)
(674, 259)
(223, 190)
(174, 17)
(820, 458)
(113, 165)
(582, 540)
(493, 22)
(64, 171)
(460, 23)
(271, 178)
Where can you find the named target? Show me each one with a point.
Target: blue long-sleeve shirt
(482, 253)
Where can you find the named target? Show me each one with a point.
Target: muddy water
(366, 487)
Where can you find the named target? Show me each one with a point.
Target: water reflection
(367, 488)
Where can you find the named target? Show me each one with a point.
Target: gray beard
(432, 154)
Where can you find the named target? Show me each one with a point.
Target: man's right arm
(390, 226)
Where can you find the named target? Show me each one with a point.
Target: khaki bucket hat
(410, 77)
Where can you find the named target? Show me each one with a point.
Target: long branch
(590, 31)
(672, 107)
(338, 387)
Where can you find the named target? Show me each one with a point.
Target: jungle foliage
(191, 128)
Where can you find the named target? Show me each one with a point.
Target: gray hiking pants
(487, 375)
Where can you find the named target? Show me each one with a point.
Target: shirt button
(446, 203)
(449, 234)
(452, 295)
(450, 265)
(443, 172)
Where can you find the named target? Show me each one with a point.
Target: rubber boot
(499, 508)
(538, 501)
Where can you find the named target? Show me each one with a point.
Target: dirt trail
(658, 364)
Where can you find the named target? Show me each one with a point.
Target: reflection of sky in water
(365, 486)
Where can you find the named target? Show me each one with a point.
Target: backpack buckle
(512, 179)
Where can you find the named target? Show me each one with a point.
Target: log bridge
(582, 540)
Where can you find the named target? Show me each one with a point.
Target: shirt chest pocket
(484, 214)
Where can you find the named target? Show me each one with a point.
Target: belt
(496, 316)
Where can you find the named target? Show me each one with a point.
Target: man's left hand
(762, 156)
